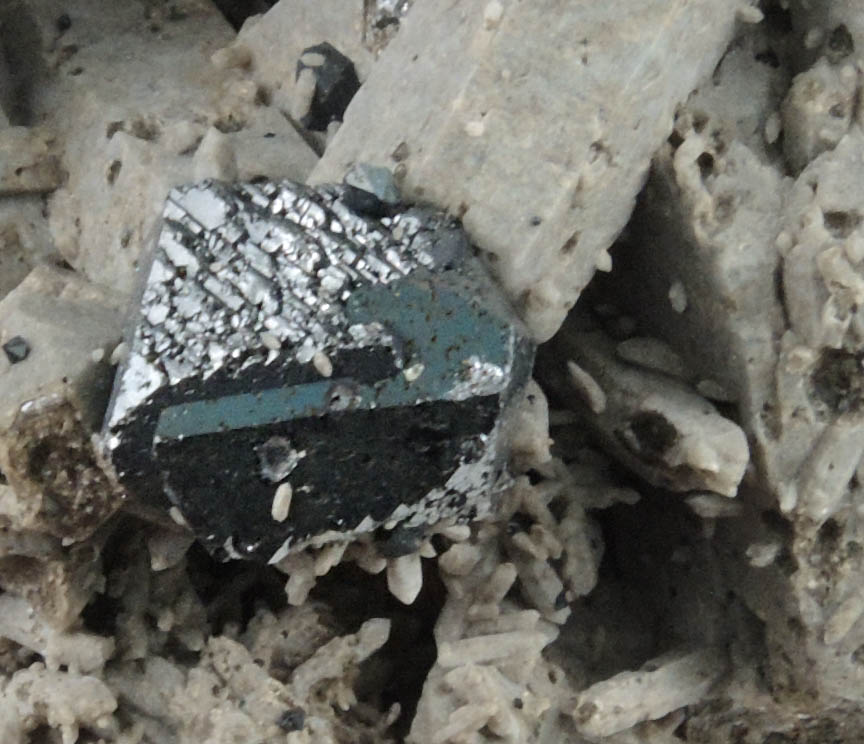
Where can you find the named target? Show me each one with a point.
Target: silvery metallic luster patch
(361, 366)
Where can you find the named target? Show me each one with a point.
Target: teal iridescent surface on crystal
(443, 327)
(365, 358)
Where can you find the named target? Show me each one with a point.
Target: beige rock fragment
(168, 547)
(459, 559)
(29, 162)
(772, 268)
(405, 577)
(240, 688)
(651, 353)
(818, 111)
(489, 651)
(713, 506)
(328, 557)
(464, 720)
(79, 651)
(547, 207)
(63, 700)
(742, 97)
(53, 400)
(530, 442)
(56, 581)
(311, 627)
(25, 240)
(657, 426)
(663, 685)
(589, 389)
(301, 570)
(331, 660)
(824, 477)
(214, 158)
(231, 56)
(489, 648)
(130, 124)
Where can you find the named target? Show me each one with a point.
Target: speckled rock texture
(540, 153)
(670, 195)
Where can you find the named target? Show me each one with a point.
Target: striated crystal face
(363, 367)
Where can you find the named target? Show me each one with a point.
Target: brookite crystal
(299, 372)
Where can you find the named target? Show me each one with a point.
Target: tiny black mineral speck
(293, 719)
(17, 349)
(840, 43)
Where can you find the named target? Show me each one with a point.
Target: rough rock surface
(619, 594)
(540, 154)
(133, 95)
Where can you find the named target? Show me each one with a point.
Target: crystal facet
(364, 368)
(17, 349)
(335, 84)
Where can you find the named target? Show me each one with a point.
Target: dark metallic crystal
(335, 85)
(289, 351)
(17, 349)
(370, 190)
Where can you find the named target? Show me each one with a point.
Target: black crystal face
(300, 373)
(335, 84)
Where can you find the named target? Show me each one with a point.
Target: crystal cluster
(300, 372)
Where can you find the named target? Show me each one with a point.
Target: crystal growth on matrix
(224, 396)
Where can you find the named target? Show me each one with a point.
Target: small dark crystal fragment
(840, 44)
(293, 719)
(335, 84)
(370, 190)
(17, 349)
(302, 373)
(399, 542)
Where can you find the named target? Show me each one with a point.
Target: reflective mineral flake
(287, 345)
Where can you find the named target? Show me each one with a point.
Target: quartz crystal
(300, 373)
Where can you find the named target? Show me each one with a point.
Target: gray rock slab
(28, 161)
(540, 133)
(25, 240)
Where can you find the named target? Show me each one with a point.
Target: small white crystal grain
(282, 502)
(322, 364)
(492, 14)
(588, 387)
(119, 353)
(405, 577)
(270, 341)
(413, 372)
(678, 297)
(175, 514)
(475, 128)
